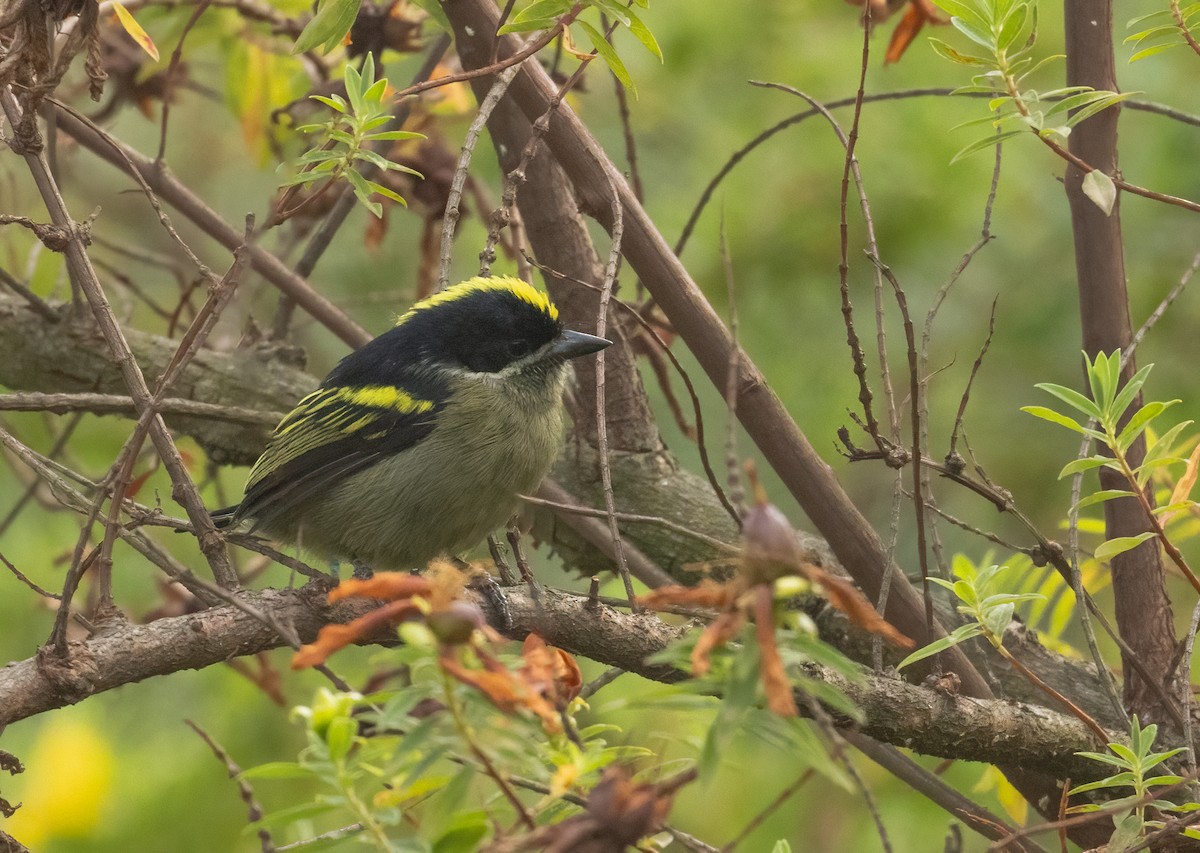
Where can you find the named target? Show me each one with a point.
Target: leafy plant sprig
(1007, 32)
(1106, 408)
(990, 610)
(544, 14)
(346, 138)
(1179, 30)
(1135, 763)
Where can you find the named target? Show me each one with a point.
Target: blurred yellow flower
(67, 780)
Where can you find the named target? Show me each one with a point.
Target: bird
(417, 444)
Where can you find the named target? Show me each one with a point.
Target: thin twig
(450, 217)
(633, 517)
(254, 811)
(172, 71)
(101, 404)
(610, 280)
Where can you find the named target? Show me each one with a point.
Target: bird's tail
(226, 517)
(223, 518)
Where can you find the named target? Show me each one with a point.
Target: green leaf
(1127, 834)
(997, 618)
(958, 635)
(1098, 105)
(1120, 545)
(1072, 398)
(1102, 496)
(340, 736)
(387, 193)
(1085, 464)
(609, 55)
(541, 15)
(987, 142)
(1054, 417)
(329, 26)
(334, 103)
(947, 52)
(642, 33)
(434, 9)
(278, 770)
(1103, 757)
(1153, 51)
(391, 135)
(976, 33)
(1165, 442)
(1130, 390)
(1141, 420)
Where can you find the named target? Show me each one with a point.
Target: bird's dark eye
(517, 349)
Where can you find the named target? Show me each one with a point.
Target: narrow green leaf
(954, 55)
(334, 103)
(1120, 545)
(974, 32)
(1101, 497)
(1072, 398)
(1165, 443)
(958, 635)
(329, 26)
(278, 770)
(1097, 106)
(1131, 389)
(1154, 51)
(986, 142)
(609, 55)
(642, 33)
(1140, 420)
(1054, 417)
(387, 193)
(1086, 464)
(390, 135)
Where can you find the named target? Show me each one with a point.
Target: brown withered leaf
(551, 671)
(505, 689)
(708, 593)
(619, 813)
(331, 638)
(918, 14)
(774, 676)
(716, 634)
(389, 586)
(845, 597)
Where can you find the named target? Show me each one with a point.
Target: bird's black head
(482, 325)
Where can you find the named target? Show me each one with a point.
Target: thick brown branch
(896, 711)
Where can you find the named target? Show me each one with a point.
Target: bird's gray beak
(572, 344)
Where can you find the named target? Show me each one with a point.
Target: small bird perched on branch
(417, 444)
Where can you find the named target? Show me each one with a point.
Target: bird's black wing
(332, 433)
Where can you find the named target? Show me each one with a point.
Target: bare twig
(254, 811)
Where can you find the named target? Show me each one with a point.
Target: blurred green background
(122, 772)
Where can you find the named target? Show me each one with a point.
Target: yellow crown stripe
(518, 288)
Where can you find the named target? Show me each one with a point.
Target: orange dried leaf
(1183, 489)
(331, 638)
(904, 33)
(503, 689)
(845, 597)
(708, 593)
(135, 30)
(390, 586)
(774, 676)
(715, 635)
(551, 671)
